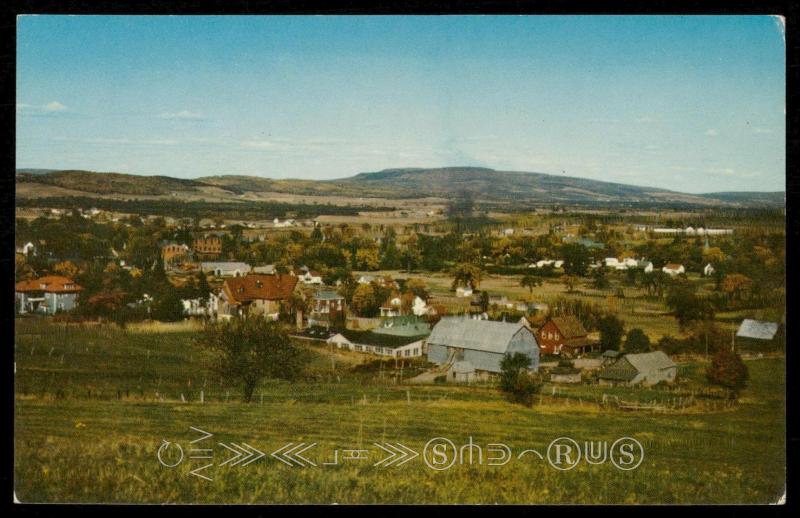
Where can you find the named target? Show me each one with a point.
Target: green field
(93, 405)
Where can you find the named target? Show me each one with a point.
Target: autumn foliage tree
(466, 274)
(728, 370)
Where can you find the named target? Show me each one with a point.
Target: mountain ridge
(484, 184)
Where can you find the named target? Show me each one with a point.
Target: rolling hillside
(484, 184)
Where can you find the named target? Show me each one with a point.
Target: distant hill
(484, 184)
(35, 171)
(109, 183)
(750, 197)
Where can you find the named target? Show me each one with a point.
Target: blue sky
(694, 104)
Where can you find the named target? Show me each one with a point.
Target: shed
(644, 368)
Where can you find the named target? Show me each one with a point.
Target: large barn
(477, 347)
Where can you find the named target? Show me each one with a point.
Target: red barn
(564, 335)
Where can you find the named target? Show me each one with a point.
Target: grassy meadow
(94, 404)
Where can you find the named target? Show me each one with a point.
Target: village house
(310, 277)
(464, 291)
(645, 369)
(195, 307)
(268, 269)
(673, 269)
(555, 263)
(255, 294)
(469, 350)
(645, 266)
(49, 294)
(420, 308)
(172, 253)
(708, 270)
(225, 269)
(277, 223)
(327, 309)
(564, 335)
(392, 307)
(365, 279)
(28, 249)
(207, 247)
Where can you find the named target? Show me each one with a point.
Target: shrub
(518, 385)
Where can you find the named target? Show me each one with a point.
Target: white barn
(478, 346)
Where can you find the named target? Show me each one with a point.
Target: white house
(268, 269)
(282, 224)
(310, 277)
(673, 269)
(27, 249)
(611, 262)
(708, 270)
(365, 279)
(555, 263)
(194, 307)
(647, 266)
(419, 307)
(225, 269)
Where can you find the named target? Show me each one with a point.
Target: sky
(688, 103)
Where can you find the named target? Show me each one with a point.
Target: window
(407, 352)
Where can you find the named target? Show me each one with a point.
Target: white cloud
(711, 132)
(181, 115)
(54, 106)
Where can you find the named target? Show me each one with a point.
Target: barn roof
(480, 335)
(757, 329)
(648, 361)
(569, 326)
(620, 370)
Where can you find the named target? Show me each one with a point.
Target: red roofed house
(564, 335)
(48, 294)
(255, 294)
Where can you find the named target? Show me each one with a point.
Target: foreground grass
(83, 448)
